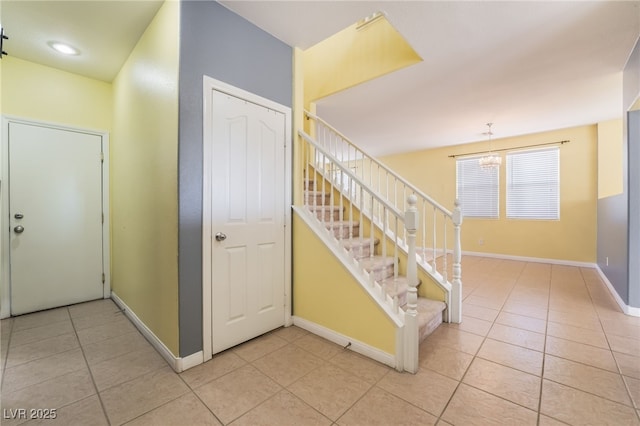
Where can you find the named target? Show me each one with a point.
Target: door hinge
(102, 157)
(103, 278)
(103, 218)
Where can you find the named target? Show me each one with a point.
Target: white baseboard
(342, 340)
(629, 310)
(530, 259)
(178, 364)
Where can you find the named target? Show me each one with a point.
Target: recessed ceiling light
(63, 48)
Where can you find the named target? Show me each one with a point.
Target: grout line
(544, 347)
(6, 356)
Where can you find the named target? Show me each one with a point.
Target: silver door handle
(220, 236)
(18, 229)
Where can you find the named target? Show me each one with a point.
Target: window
(477, 189)
(533, 184)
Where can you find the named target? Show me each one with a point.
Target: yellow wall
(610, 158)
(571, 238)
(325, 293)
(353, 56)
(144, 196)
(43, 93)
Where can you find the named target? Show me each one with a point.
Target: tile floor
(539, 345)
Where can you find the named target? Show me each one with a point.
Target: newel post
(456, 285)
(411, 316)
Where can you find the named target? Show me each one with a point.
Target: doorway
(54, 200)
(246, 216)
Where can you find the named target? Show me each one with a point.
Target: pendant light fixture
(491, 160)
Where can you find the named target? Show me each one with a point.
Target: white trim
(5, 261)
(178, 364)
(530, 259)
(208, 85)
(342, 340)
(629, 310)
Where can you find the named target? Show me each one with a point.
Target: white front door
(55, 217)
(247, 220)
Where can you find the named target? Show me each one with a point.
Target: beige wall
(572, 238)
(43, 93)
(610, 158)
(144, 199)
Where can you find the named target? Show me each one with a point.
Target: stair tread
(427, 309)
(324, 207)
(376, 262)
(334, 223)
(357, 242)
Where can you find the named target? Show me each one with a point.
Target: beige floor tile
(114, 347)
(378, 407)
(290, 333)
(624, 345)
(288, 364)
(318, 346)
(112, 329)
(186, 410)
(360, 366)
(38, 319)
(485, 302)
(218, 366)
(88, 321)
(589, 379)
(259, 347)
(470, 406)
(575, 407)
(577, 334)
(629, 364)
(620, 328)
(232, 395)
(129, 400)
(634, 390)
(93, 308)
(41, 349)
(455, 339)
(443, 360)
(473, 325)
(282, 409)
(126, 367)
(548, 421)
(330, 390)
(534, 311)
(579, 352)
(589, 321)
(40, 370)
(480, 312)
(87, 412)
(426, 389)
(42, 332)
(517, 336)
(520, 321)
(505, 382)
(54, 393)
(517, 357)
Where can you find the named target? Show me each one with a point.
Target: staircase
(384, 230)
(363, 249)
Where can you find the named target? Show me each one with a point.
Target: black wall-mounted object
(2, 39)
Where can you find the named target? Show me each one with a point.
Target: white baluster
(456, 285)
(411, 218)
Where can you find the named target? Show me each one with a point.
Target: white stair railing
(433, 242)
(328, 175)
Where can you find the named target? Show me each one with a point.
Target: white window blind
(477, 189)
(533, 184)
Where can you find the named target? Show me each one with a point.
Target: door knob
(19, 229)
(220, 236)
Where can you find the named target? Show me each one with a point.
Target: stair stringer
(371, 320)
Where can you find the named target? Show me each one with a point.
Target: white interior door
(55, 215)
(247, 220)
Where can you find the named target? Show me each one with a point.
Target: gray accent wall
(619, 215)
(220, 44)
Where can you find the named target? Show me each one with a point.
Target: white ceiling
(525, 66)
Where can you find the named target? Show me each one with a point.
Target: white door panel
(55, 183)
(248, 208)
